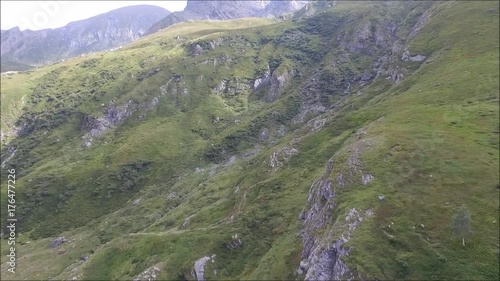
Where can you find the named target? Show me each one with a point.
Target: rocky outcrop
(11, 131)
(175, 86)
(196, 50)
(275, 81)
(279, 157)
(318, 262)
(263, 80)
(325, 260)
(264, 135)
(231, 87)
(200, 47)
(352, 170)
(12, 152)
(310, 98)
(198, 271)
(422, 20)
(415, 58)
(216, 60)
(57, 242)
(149, 274)
(323, 244)
(279, 80)
(385, 40)
(185, 223)
(331, 82)
(113, 116)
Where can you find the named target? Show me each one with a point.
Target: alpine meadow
(341, 140)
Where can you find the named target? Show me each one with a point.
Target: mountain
(231, 9)
(105, 31)
(360, 141)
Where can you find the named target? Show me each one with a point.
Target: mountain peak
(231, 9)
(105, 31)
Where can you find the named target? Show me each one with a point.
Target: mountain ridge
(105, 31)
(231, 9)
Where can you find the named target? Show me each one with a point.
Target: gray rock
(149, 274)
(12, 151)
(262, 81)
(366, 77)
(282, 130)
(381, 197)
(366, 178)
(278, 82)
(185, 223)
(406, 56)
(199, 267)
(321, 254)
(281, 156)
(57, 242)
(417, 58)
(232, 87)
(113, 116)
(196, 50)
(172, 195)
(136, 202)
(264, 134)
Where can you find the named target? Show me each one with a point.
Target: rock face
(262, 81)
(273, 83)
(113, 115)
(102, 32)
(384, 41)
(317, 262)
(321, 253)
(230, 9)
(199, 267)
(279, 80)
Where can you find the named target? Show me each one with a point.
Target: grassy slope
(435, 148)
(440, 152)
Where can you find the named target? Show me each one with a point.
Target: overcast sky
(37, 15)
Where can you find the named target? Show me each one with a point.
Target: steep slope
(105, 31)
(231, 9)
(339, 145)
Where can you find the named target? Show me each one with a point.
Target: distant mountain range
(20, 49)
(231, 9)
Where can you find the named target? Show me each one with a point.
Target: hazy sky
(37, 15)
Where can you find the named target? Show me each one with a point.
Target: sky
(36, 15)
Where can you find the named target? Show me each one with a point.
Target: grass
(431, 143)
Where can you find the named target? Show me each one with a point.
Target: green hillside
(335, 145)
